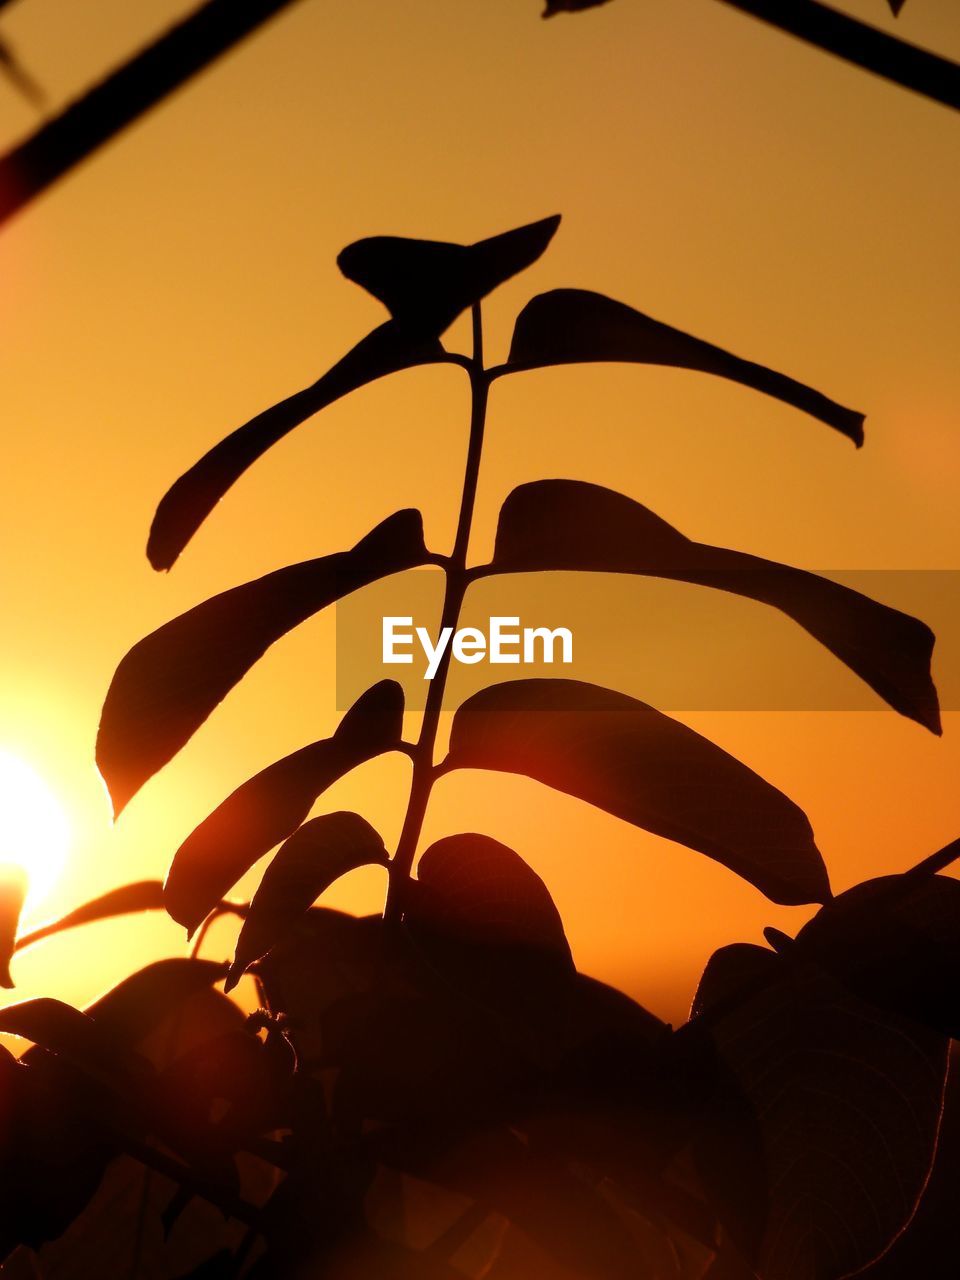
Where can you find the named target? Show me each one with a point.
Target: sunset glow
(34, 830)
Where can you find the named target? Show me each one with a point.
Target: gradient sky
(710, 171)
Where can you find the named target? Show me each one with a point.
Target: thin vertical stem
(455, 589)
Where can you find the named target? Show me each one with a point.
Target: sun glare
(34, 831)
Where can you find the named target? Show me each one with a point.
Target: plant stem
(456, 586)
(865, 46)
(936, 862)
(170, 1168)
(126, 94)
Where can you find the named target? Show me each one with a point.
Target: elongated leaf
(169, 682)
(623, 756)
(139, 1004)
(270, 806)
(190, 500)
(426, 284)
(895, 942)
(574, 326)
(129, 899)
(71, 1035)
(569, 6)
(567, 524)
(844, 1100)
(316, 855)
(479, 891)
(12, 890)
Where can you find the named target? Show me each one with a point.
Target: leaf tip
(117, 796)
(161, 553)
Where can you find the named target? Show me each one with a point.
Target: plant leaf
(129, 899)
(574, 326)
(479, 891)
(569, 6)
(190, 499)
(895, 942)
(136, 1006)
(426, 284)
(169, 682)
(636, 763)
(71, 1035)
(843, 1100)
(56, 1146)
(317, 854)
(270, 806)
(13, 889)
(568, 524)
(931, 1234)
(896, 6)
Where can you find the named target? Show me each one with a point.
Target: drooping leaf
(169, 682)
(575, 326)
(631, 760)
(135, 1007)
(190, 500)
(895, 942)
(12, 891)
(568, 524)
(479, 891)
(270, 806)
(129, 899)
(74, 1036)
(844, 1100)
(426, 284)
(317, 854)
(896, 6)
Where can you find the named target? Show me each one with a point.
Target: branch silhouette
(149, 77)
(865, 46)
(856, 42)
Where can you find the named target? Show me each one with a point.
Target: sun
(34, 831)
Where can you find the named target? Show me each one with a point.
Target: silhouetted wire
(857, 42)
(145, 80)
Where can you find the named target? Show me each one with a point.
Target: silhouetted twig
(873, 50)
(150, 76)
(938, 861)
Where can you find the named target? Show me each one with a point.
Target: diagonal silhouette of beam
(65, 141)
(857, 42)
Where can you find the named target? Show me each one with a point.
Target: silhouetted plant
(786, 1131)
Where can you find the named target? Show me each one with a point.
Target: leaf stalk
(457, 581)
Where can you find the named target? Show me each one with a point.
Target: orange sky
(710, 172)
